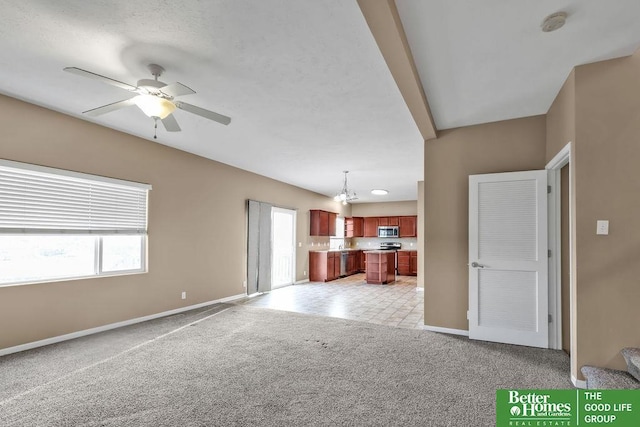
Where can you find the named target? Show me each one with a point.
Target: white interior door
(508, 283)
(283, 247)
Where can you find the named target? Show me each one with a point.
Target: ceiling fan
(155, 98)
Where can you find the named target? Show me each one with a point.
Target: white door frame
(555, 260)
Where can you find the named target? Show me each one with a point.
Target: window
(337, 241)
(57, 224)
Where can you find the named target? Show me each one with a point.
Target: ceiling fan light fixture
(154, 106)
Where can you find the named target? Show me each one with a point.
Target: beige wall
(421, 242)
(505, 146)
(561, 118)
(561, 129)
(607, 186)
(197, 225)
(385, 209)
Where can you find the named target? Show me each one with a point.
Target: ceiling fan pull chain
(155, 128)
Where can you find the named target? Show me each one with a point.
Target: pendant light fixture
(345, 195)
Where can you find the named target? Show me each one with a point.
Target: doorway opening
(560, 231)
(283, 250)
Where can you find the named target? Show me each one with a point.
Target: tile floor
(398, 304)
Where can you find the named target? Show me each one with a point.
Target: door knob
(476, 265)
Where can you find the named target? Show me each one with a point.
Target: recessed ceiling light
(379, 192)
(554, 21)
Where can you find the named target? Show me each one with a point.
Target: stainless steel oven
(388, 231)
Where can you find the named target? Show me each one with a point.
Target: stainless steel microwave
(388, 231)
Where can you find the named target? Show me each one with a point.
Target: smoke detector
(554, 21)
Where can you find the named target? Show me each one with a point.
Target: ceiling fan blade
(109, 108)
(104, 79)
(171, 124)
(203, 113)
(177, 89)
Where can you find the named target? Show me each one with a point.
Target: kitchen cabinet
(413, 263)
(351, 263)
(381, 266)
(371, 227)
(408, 263)
(408, 226)
(360, 258)
(404, 259)
(354, 227)
(322, 223)
(324, 266)
(388, 220)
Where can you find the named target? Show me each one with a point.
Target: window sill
(73, 278)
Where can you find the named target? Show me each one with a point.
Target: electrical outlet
(184, 295)
(244, 284)
(304, 273)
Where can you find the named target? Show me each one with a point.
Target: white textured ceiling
(484, 61)
(306, 87)
(305, 84)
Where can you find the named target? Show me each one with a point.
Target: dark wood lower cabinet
(324, 266)
(413, 263)
(408, 263)
(351, 263)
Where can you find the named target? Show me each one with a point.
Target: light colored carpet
(247, 366)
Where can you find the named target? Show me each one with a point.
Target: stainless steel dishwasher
(343, 263)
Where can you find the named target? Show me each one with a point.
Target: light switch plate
(602, 227)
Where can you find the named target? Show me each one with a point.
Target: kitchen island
(380, 267)
(331, 264)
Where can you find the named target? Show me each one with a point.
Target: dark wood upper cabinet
(408, 226)
(332, 223)
(383, 221)
(322, 223)
(354, 227)
(393, 220)
(371, 227)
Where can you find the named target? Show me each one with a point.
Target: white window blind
(41, 200)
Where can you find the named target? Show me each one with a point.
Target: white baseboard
(300, 282)
(578, 383)
(98, 329)
(446, 330)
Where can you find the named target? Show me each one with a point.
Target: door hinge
(549, 253)
(550, 319)
(548, 189)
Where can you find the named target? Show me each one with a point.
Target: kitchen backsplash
(408, 243)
